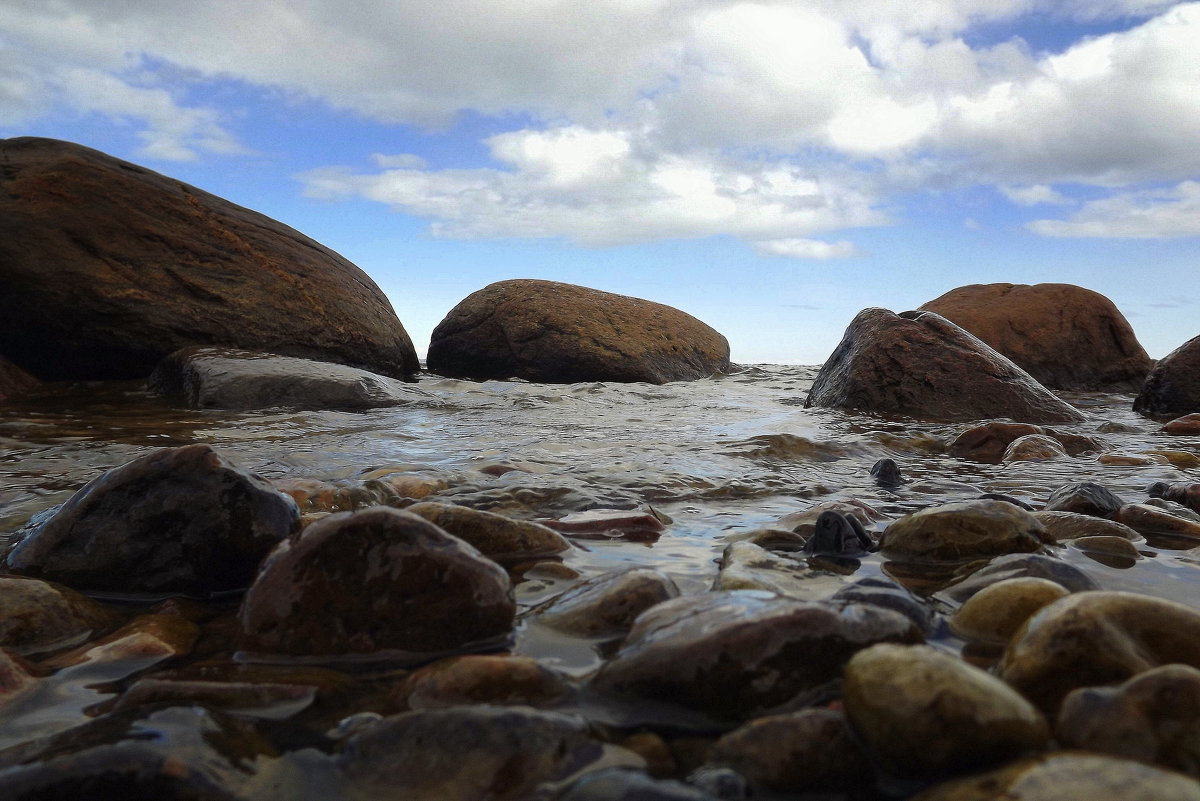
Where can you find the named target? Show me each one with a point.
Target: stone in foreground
(560, 333)
(964, 530)
(921, 365)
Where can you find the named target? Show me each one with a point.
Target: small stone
(988, 442)
(1033, 447)
(484, 679)
(315, 496)
(1132, 459)
(652, 748)
(606, 605)
(246, 699)
(1188, 425)
(1183, 492)
(1106, 546)
(495, 536)
(1013, 566)
(745, 566)
(963, 530)
(40, 616)
(997, 611)
(1069, 525)
(804, 522)
(1085, 498)
(146, 639)
(924, 713)
(886, 593)
(609, 524)
(1147, 519)
(15, 677)
(887, 473)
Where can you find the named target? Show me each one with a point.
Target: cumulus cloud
(1172, 212)
(1035, 195)
(806, 248)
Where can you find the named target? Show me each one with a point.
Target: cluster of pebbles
(181, 628)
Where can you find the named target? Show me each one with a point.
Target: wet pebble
(1069, 525)
(606, 605)
(997, 611)
(1132, 459)
(1015, 566)
(609, 524)
(1182, 492)
(745, 566)
(495, 536)
(962, 530)
(484, 679)
(1187, 425)
(38, 615)
(1085, 498)
(988, 442)
(886, 593)
(1148, 519)
(1033, 447)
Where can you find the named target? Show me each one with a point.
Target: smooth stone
(107, 267)
(804, 522)
(551, 332)
(770, 538)
(1033, 447)
(15, 677)
(884, 592)
(734, 654)
(1173, 386)
(1153, 717)
(1085, 498)
(1184, 460)
(1132, 459)
(1094, 638)
(988, 442)
(745, 566)
(609, 524)
(964, 530)
(1069, 525)
(1012, 566)
(245, 699)
(997, 611)
(372, 580)
(14, 381)
(1066, 774)
(1185, 493)
(1065, 336)
(495, 536)
(838, 533)
(606, 605)
(225, 378)
(1174, 507)
(922, 365)
(1187, 425)
(924, 713)
(1106, 546)
(315, 496)
(484, 679)
(470, 753)
(147, 639)
(807, 751)
(621, 784)
(1145, 518)
(179, 520)
(886, 473)
(38, 615)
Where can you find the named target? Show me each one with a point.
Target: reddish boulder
(561, 333)
(107, 267)
(1065, 336)
(1173, 386)
(921, 365)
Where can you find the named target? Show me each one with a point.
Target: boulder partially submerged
(1173, 386)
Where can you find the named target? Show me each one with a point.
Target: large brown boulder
(107, 267)
(1065, 336)
(1173, 386)
(922, 365)
(561, 333)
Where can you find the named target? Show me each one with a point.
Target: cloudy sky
(769, 167)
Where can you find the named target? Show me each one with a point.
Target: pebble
(964, 530)
(495, 536)
(484, 679)
(38, 615)
(1069, 525)
(608, 604)
(1033, 447)
(996, 612)
(1085, 498)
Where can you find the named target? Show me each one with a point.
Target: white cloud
(1173, 212)
(1034, 195)
(806, 248)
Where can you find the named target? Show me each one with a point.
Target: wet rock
(480, 679)
(14, 381)
(997, 611)
(886, 593)
(606, 605)
(920, 364)
(224, 378)
(377, 579)
(1069, 525)
(15, 677)
(1093, 638)
(185, 753)
(1000, 496)
(988, 442)
(1085, 498)
(745, 566)
(618, 784)
(1173, 386)
(962, 530)
(560, 333)
(1112, 551)
(807, 751)
(468, 753)
(1188, 425)
(314, 496)
(1065, 336)
(1132, 459)
(654, 750)
(166, 265)
(1150, 520)
(838, 533)
(1033, 447)
(1010, 566)
(733, 654)
(143, 641)
(804, 522)
(41, 616)
(1183, 492)
(495, 536)
(887, 473)
(245, 699)
(924, 713)
(1154, 717)
(180, 520)
(609, 524)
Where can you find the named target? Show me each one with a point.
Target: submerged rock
(1085, 498)
(746, 566)
(922, 365)
(180, 520)
(484, 679)
(1182, 492)
(1018, 565)
(1033, 447)
(988, 442)
(963, 530)
(884, 592)
(734, 654)
(925, 713)
(41, 616)
(495, 536)
(1065, 336)
(628, 524)
(1173, 386)
(1146, 518)
(223, 378)
(560, 333)
(107, 267)
(606, 605)
(377, 579)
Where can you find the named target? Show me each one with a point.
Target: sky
(768, 167)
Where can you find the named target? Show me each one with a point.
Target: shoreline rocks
(1173, 386)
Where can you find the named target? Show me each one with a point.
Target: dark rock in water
(484, 679)
(921, 365)
(988, 442)
(179, 753)
(963, 530)
(497, 537)
(607, 605)
(181, 520)
(838, 533)
(1173, 386)
(467, 754)
(14, 381)
(884, 592)
(1017, 565)
(1181, 492)
(223, 378)
(734, 654)
(887, 473)
(107, 267)
(1095, 638)
(1154, 717)
(1000, 496)
(1085, 498)
(618, 784)
(377, 579)
(1065, 336)
(560, 333)
(39, 616)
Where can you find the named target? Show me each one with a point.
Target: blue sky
(769, 167)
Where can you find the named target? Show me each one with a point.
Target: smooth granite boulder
(1065, 336)
(922, 365)
(1173, 386)
(560, 333)
(106, 267)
